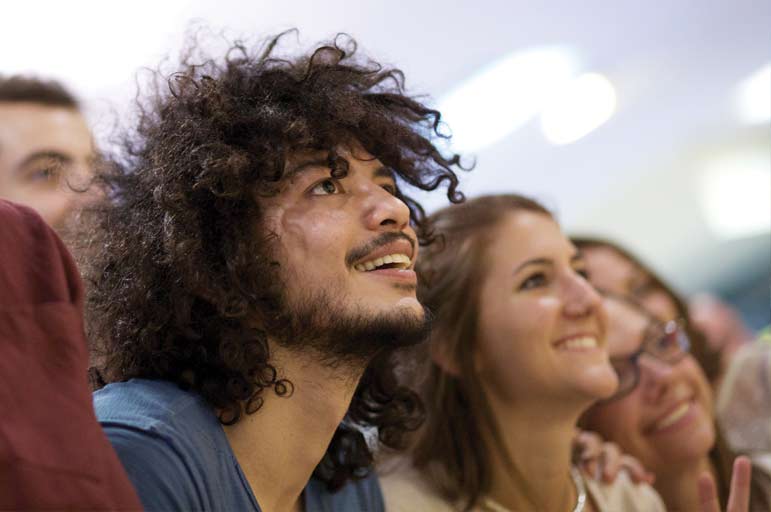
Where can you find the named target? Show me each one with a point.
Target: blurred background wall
(646, 122)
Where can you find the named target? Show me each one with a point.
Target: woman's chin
(599, 383)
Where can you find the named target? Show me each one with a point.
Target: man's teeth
(585, 342)
(400, 261)
(672, 417)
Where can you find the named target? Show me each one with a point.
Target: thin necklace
(490, 505)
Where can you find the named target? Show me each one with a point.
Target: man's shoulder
(172, 447)
(148, 404)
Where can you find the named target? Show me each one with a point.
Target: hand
(739, 497)
(604, 460)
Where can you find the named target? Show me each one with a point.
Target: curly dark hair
(176, 267)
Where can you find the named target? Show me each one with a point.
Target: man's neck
(279, 446)
(539, 446)
(679, 486)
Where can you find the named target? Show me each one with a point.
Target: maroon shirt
(53, 453)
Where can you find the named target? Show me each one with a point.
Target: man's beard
(339, 334)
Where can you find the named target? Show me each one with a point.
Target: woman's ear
(442, 356)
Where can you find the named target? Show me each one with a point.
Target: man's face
(42, 150)
(346, 251)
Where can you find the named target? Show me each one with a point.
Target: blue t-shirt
(178, 458)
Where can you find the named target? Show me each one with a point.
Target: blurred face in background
(666, 419)
(612, 272)
(541, 334)
(44, 151)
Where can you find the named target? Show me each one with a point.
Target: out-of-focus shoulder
(406, 490)
(623, 494)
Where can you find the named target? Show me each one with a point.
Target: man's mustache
(386, 238)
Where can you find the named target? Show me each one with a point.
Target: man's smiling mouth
(397, 260)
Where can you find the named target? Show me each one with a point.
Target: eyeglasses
(667, 342)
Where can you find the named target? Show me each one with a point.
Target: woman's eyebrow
(534, 261)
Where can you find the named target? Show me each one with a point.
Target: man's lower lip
(395, 273)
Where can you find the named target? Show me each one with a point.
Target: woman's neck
(539, 448)
(679, 486)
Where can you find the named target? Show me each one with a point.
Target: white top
(405, 490)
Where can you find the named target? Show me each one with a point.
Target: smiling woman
(517, 353)
(663, 413)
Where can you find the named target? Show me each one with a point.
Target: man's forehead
(39, 127)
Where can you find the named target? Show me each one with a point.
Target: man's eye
(326, 187)
(534, 281)
(45, 174)
(583, 273)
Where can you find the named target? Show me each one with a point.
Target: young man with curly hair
(251, 279)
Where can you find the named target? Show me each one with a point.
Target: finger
(739, 499)
(636, 470)
(588, 445)
(611, 461)
(708, 494)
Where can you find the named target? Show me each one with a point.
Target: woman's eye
(583, 273)
(391, 189)
(326, 187)
(533, 281)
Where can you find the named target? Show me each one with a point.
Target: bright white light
(578, 108)
(504, 96)
(753, 97)
(736, 195)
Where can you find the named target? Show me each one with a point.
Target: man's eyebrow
(48, 154)
(307, 164)
(534, 261)
(383, 172)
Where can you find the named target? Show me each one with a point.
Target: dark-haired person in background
(46, 148)
(251, 275)
(53, 455)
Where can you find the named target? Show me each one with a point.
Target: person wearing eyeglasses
(662, 411)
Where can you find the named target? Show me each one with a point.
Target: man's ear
(442, 356)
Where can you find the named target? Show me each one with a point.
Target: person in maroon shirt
(53, 453)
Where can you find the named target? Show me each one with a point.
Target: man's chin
(341, 332)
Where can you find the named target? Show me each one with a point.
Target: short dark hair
(175, 266)
(19, 88)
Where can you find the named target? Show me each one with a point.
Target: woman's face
(666, 421)
(541, 334)
(611, 271)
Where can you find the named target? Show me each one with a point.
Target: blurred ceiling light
(736, 194)
(578, 108)
(753, 97)
(504, 96)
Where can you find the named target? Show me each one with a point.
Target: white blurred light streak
(577, 109)
(504, 96)
(736, 195)
(753, 97)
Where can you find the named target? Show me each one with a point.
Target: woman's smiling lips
(676, 416)
(580, 342)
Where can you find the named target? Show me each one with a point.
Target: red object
(53, 453)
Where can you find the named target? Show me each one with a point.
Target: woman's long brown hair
(452, 449)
